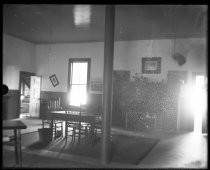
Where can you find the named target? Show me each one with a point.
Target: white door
(200, 106)
(34, 106)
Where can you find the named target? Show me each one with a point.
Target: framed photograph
(54, 80)
(151, 65)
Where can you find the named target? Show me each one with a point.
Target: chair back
(54, 104)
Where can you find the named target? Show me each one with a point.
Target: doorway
(78, 81)
(24, 87)
(200, 102)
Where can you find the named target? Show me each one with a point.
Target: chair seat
(54, 121)
(77, 128)
(56, 125)
(97, 128)
(76, 125)
(73, 125)
(57, 121)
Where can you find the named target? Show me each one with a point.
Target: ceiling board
(49, 23)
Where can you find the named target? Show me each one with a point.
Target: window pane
(78, 95)
(79, 75)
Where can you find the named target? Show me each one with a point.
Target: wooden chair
(75, 128)
(96, 130)
(53, 104)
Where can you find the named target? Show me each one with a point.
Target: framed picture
(54, 80)
(151, 65)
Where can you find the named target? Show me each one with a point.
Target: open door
(24, 87)
(200, 104)
(34, 107)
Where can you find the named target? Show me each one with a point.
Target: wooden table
(84, 117)
(16, 125)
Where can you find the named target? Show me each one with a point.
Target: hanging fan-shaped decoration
(179, 58)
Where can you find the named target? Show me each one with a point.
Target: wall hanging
(151, 65)
(54, 80)
(178, 57)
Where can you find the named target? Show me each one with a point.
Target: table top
(13, 124)
(82, 113)
(61, 115)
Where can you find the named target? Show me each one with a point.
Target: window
(79, 78)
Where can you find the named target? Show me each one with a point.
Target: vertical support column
(178, 113)
(107, 90)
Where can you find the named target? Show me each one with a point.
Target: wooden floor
(175, 150)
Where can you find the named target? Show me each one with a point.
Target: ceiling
(50, 23)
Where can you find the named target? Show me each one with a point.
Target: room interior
(159, 79)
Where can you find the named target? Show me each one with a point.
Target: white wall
(18, 55)
(194, 49)
(53, 59)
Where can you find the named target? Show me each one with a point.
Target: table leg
(51, 126)
(63, 128)
(16, 147)
(20, 149)
(43, 123)
(92, 134)
(79, 133)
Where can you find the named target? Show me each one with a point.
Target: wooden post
(178, 113)
(107, 79)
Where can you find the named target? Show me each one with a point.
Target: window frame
(78, 60)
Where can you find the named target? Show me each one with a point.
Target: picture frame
(54, 80)
(151, 65)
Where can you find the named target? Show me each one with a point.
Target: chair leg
(89, 133)
(95, 133)
(86, 134)
(62, 128)
(73, 135)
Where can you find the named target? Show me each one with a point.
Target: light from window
(78, 86)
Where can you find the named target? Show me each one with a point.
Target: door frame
(38, 99)
(204, 116)
(22, 73)
(88, 60)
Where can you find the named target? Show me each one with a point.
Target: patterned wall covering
(141, 100)
(119, 77)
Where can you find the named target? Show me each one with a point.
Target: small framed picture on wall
(54, 80)
(151, 65)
